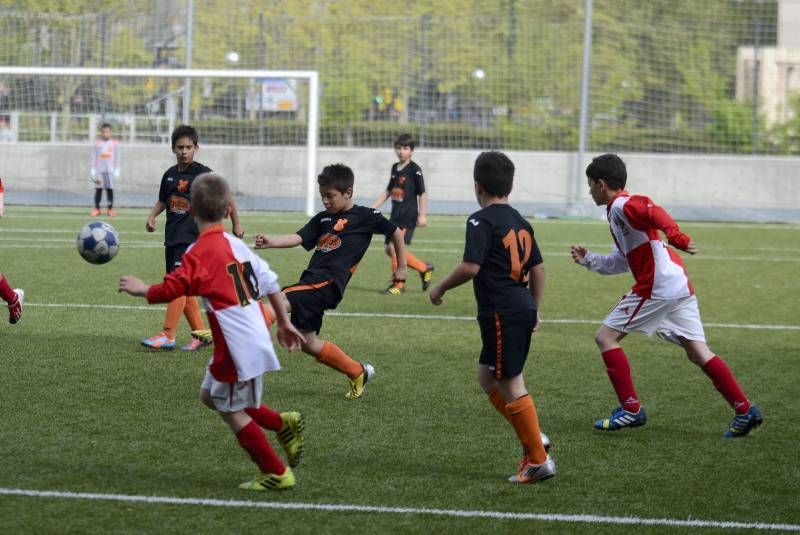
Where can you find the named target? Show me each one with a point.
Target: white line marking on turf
(461, 513)
(568, 321)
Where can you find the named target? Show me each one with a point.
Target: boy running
(406, 188)
(503, 261)
(174, 196)
(662, 299)
(339, 235)
(231, 278)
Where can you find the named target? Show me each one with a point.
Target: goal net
(257, 128)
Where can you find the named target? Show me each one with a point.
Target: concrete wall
(547, 184)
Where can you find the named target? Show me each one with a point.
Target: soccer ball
(98, 242)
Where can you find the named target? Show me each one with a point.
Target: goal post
(255, 105)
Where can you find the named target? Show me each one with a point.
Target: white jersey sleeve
(610, 264)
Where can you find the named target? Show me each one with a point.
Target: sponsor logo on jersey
(178, 205)
(328, 242)
(340, 223)
(183, 185)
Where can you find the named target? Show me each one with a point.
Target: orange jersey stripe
(299, 287)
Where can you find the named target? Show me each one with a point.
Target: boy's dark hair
(494, 171)
(337, 175)
(610, 168)
(184, 130)
(211, 197)
(405, 140)
(105, 125)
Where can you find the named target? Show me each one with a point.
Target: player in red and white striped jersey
(662, 300)
(231, 278)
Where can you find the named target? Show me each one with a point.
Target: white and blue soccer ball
(98, 242)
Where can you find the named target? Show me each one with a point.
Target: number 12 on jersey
(517, 242)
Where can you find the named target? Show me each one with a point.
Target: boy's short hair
(184, 130)
(211, 197)
(337, 175)
(610, 168)
(105, 125)
(405, 140)
(494, 171)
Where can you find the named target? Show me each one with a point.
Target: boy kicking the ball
(339, 235)
(503, 261)
(662, 300)
(231, 278)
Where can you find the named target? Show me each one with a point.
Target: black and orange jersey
(404, 187)
(176, 194)
(501, 241)
(339, 242)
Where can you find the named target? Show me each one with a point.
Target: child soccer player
(409, 209)
(13, 297)
(174, 196)
(503, 261)
(105, 166)
(662, 300)
(340, 236)
(230, 277)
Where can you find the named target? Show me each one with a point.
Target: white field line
(600, 246)
(459, 513)
(22, 243)
(426, 317)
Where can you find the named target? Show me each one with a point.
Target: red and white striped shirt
(634, 223)
(230, 277)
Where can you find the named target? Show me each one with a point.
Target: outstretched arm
(609, 264)
(264, 241)
(288, 335)
(463, 272)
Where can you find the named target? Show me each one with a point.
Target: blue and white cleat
(742, 424)
(621, 418)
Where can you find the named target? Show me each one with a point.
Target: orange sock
(332, 356)
(523, 417)
(173, 316)
(193, 315)
(496, 399)
(269, 314)
(415, 263)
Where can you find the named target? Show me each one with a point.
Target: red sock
(6, 292)
(726, 384)
(619, 371)
(265, 417)
(252, 439)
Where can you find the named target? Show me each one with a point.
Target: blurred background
(658, 82)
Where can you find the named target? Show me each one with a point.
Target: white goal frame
(313, 98)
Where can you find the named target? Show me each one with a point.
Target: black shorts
(506, 340)
(408, 232)
(309, 303)
(173, 256)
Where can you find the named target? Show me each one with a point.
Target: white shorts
(669, 319)
(233, 397)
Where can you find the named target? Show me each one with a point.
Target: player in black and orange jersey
(339, 235)
(174, 196)
(406, 189)
(502, 259)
